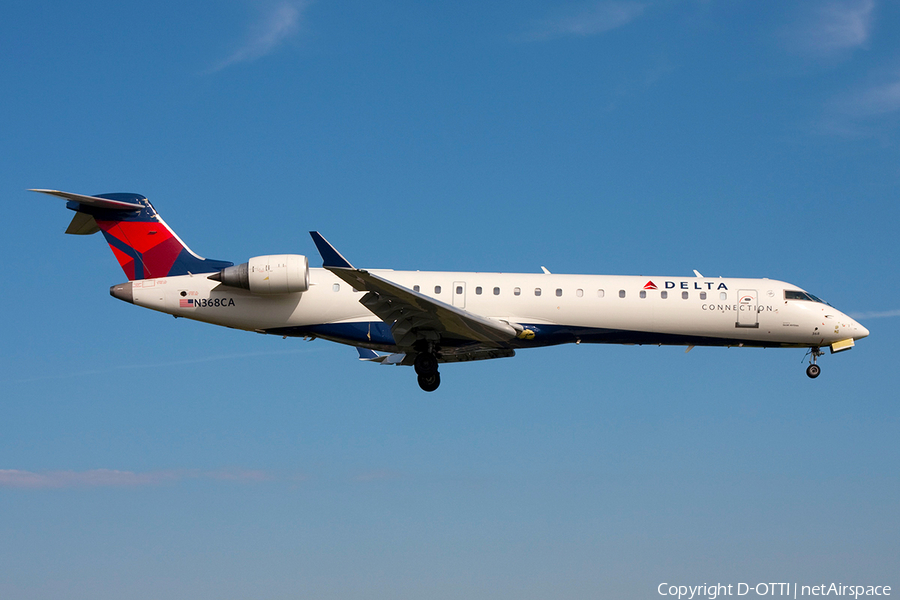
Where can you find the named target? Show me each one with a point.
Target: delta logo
(685, 285)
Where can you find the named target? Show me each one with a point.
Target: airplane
(425, 318)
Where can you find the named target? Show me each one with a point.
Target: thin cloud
(876, 315)
(586, 20)
(835, 27)
(94, 478)
(874, 101)
(868, 111)
(277, 25)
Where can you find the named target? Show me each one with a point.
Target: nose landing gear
(813, 370)
(426, 365)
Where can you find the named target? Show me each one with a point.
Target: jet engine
(273, 274)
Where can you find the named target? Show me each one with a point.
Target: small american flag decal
(186, 303)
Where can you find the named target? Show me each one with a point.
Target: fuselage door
(748, 309)
(459, 294)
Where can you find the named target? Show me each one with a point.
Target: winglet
(331, 258)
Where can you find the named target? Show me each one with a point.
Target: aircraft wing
(413, 316)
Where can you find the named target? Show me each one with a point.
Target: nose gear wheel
(813, 370)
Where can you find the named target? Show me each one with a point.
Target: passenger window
(559, 291)
(537, 291)
(600, 293)
(664, 294)
(496, 291)
(517, 291)
(703, 295)
(416, 288)
(336, 287)
(723, 295)
(478, 291)
(643, 294)
(684, 295)
(579, 293)
(437, 289)
(459, 289)
(621, 293)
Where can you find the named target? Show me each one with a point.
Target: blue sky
(146, 457)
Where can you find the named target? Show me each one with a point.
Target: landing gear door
(748, 309)
(459, 294)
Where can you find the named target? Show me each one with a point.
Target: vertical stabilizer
(144, 245)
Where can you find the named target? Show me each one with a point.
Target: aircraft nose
(859, 331)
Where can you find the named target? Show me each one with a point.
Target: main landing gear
(813, 370)
(426, 365)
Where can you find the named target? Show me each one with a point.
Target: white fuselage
(557, 308)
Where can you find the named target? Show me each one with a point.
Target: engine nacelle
(272, 274)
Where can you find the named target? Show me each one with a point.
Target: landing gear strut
(426, 365)
(813, 370)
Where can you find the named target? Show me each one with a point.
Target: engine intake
(272, 274)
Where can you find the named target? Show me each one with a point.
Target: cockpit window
(814, 299)
(798, 295)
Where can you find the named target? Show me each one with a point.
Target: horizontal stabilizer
(94, 201)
